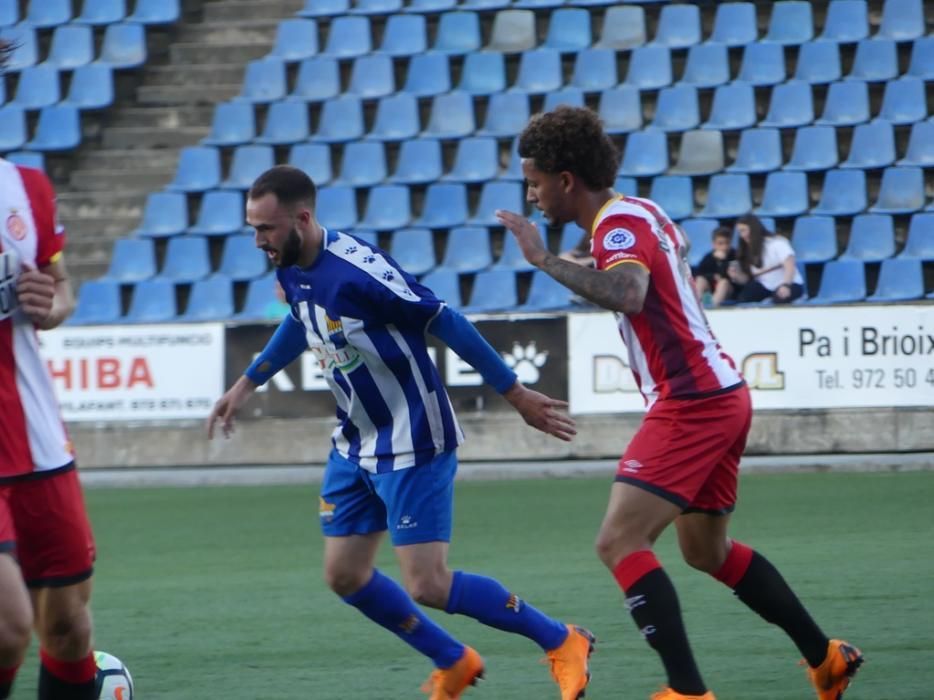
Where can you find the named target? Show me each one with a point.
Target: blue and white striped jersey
(365, 320)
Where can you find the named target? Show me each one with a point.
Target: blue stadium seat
(324, 8)
(675, 194)
(396, 118)
(700, 153)
(370, 238)
(199, 169)
(98, 303)
(707, 66)
(646, 154)
(451, 117)
(296, 39)
(620, 108)
(626, 185)
(539, 72)
(132, 260)
(792, 105)
(698, 232)
(477, 160)
(233, 124)
(571, 96)
(814, 239)
(902, 20)
(211, 299)
(419, 162)
(2, 92)
(484, 73)
(734, 107)
(314, 159)
(9, 12)
(27, 159)
(221, 213)
(445, 284)
(26, 46)
(649, 68)
(156, 12)
(264, 81)
(759, 151)
(728, 196)
(44, 14)
(904, 101)
(493, 290)
(377, 7)
(679, 26)
(12, 128)
(791, 23)
(572, 234)
(59, 129)
(900, 279)
(847, 21)
(901, 192)
(248, 163)
(153, 301)
(568, 30)
(872, 238)
(72, 46)
(363, 164)
(843, 281)
(341, 120)
(847, 104)
(186, 259)
(485, 5)
(467, 249)
(405, 35)
(872, 146)
(920, 150)
(921, 64)
(165, 214)
(260, 299)
(38, 87)
(413, 249)
(241, 260)
(429, 74)
(102, 12)
(92, 87)
(318, 80)
(546, 294)
(595, 70)
(388, 207)
(506, 115)
(458, 33)
(735, 24)
(876, 61)
(623, 28)
(843, 193)
(499, 194)
(819, 63)
(511, 257)
(763, 64)
(430, 6)
(445, 205)
(513, 169)
(336, 208)
(513, 32)
(920, 242)
(677, 109)
(815, 149)
(349, 37)
(785, 194)
(286, 123)
(124, 46)
(372, 76)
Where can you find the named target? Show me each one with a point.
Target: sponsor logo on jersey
(406, 522)
(16, 225)
(619, 239)
(325, 509)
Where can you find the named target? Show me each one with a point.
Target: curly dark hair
(571, 139)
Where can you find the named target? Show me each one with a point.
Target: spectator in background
(766, 266)
(278, 307)
(711, 275)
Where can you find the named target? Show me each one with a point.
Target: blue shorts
(414, 504)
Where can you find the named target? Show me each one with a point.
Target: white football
(113, 679)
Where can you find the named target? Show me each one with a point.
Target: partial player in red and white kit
(46, 546)
(682, 464)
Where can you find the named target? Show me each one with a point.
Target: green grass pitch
(217, 592)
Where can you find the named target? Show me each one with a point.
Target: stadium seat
(904, 101)
(513, 31)
(626, 185)
(759, 151)
(260, 298)
(153, 301)
(900, 279)
(404, 35)
(513, 169)
(324, 8)
(679, 26)
(707, 66)
(762, 64)
(920, 242)
(44, 14)
(25, 46)
(677, 109)
(124, 46)
(101, 12)
(363, 164)
(493, 290)
(791, 23)
(571, 233)
(623, 28)
(785, 194)
(485, 5)
(92, 87)
(132, 260)
(842, 282)
(511, 257)
(314, 159)
(241, 260)
(372, 76)
(620, 108)
(458, 33)
(791, 105)
(477, 160)
(546, 294)
(72, 46)
(336, 208)
(26, 159)
(59, 129)
(700, 153)
(451, 117)
(568, 30)
(484, 73)
(429, 74)
(430, 6)
(211, 299)
(388, 207)
(98, 303)
(847, 104)
(570, 96)
(595, 70)
(495, 195)
(872, 238)
(348, 37)
(38, 87)
(818, 63)
(186, 259)
(445, 284)
(872, 146)
(165, 214)
(376, 7)
(876, 61)
(815, 148)
(318, 80)
(920, 149)
(199, 169)
(221, 213)
(901, 192)
(264, 81)
(156, 12)
(296, 39)
(649, 68)
(233, 124)
(698, 232)
(396, 118)
(814, 239)
(847, 21)
(675, 194)
(413, 249)
(733, 108)
(843, 193)
(248, 163)
(728, 196)
(506, 115)
(537, 4)
(921, 64)
(902, 20)
(445, 205)
(9, 12)
(646, 154)
(539, 72)
(341, 120)
(735, 24)
(419, 162)
(467, 249)
(286, 123)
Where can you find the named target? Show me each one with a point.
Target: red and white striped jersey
(32, 435)
(672, 351)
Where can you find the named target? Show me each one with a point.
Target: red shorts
(687, 451)
(43, 520)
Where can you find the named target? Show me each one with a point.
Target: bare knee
(616, 542)
(705, 556)
(15, 633)
(345, 580)
(67, 636)
(430, 588)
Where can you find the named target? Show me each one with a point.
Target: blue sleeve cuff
(462, 337)
(287, 343)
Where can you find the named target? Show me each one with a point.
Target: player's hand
(542, 412)
(527, 234)
(35, 292)
(227, 405)
(783, 291)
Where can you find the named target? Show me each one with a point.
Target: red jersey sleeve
(49, 232)
(623, 239)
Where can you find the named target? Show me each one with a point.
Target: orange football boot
(833, 676)
(570, 662)
(450, 683)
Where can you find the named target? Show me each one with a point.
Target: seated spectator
(711, 276)
(766, 265)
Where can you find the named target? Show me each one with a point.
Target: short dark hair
(721, 232)
(290, 185)
(571, 139)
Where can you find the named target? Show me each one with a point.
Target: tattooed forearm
(620, 289)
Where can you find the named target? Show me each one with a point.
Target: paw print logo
(526, 362)
(389, 276)
(350, 250)
(369, 259)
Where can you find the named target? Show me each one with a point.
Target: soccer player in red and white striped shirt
(682, 464)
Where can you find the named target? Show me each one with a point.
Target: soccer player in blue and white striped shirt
(393, 459)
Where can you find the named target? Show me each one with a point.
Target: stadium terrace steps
(241, 10)
(183, 55)
(94, 179)
(143, 137)
(206, 74)
(162, 95)
(168, 117)
(89, 228)
(105, 203)
(229, 33)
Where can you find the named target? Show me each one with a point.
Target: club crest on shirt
(619, 239)
(16, 225)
